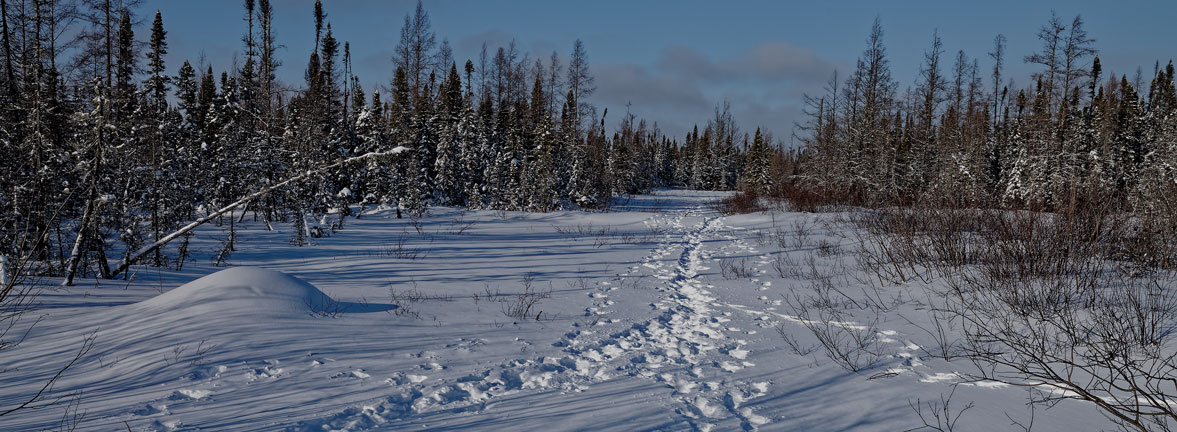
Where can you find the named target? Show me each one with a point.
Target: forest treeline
(115, 149)
(967, 136)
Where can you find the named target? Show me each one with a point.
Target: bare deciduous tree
(414, 52)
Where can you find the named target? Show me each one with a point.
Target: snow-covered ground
(626, 320)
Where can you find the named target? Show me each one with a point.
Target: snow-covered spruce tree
(413, 197)
(756, 170)
(621, 160)
(649, 166)
(471, 156)
(1128, 142)
(400, 118)
(598, 190)
(304, 141)
(1159, 166)
(448, 188)
(714, 166)
(998, 156)
(189, 133)
(1014, 178)
(269, 159)
(539, 177)
(169, 205)
(574, 149)
(227, 169)
(703, 161)
(372, 177)
(133, 163)
(424, 137)
(515, 197)
(497, 157)
(337, 145)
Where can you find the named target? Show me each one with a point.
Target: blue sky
(675, 60)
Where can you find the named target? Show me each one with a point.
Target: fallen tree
(134, 257)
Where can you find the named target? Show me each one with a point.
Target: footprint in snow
(403, 378)
(358, 373)
(151, 409)
(270, 371)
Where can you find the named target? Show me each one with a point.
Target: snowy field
(659, 315)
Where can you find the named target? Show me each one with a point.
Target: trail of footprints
(691, 333)
(685, 346)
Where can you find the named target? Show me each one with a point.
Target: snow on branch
(139, 254)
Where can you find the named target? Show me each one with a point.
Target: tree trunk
(11, 76)
(71, 266)
(132, 258)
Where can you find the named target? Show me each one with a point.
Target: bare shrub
(601, 236)
(198, 356)
(761, 237)
(406, 301)
(802, 199)
(938, 415)
(521, 305)
(18, 294)
(1079, 304)
(801, 230)
(854, 347)
(739, 203)
(943, 329)
(736, 268)
(826, 249)
(400, 249)
(641, 236)
(459, 226)
(326, 307)
(225, 250)
(1111, 347)
(792, 342)
(786, 267)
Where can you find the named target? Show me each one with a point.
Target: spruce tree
(447, 166)
(756, 169)
(162, 142)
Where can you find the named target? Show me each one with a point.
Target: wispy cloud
(764, 84)
(767, 62)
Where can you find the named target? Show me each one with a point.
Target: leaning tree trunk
(132, 258)
(75, 256)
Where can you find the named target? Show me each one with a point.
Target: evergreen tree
(447, 166)
(756, 169)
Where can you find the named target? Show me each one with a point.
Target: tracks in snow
(692, 333)
(684, 345)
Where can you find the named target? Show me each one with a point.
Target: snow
(396, 324)
(237, 291)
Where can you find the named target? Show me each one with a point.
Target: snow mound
(250, 290)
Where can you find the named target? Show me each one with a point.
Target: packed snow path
(684, 348)
(685, 345)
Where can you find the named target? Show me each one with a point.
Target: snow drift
(242, 289)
